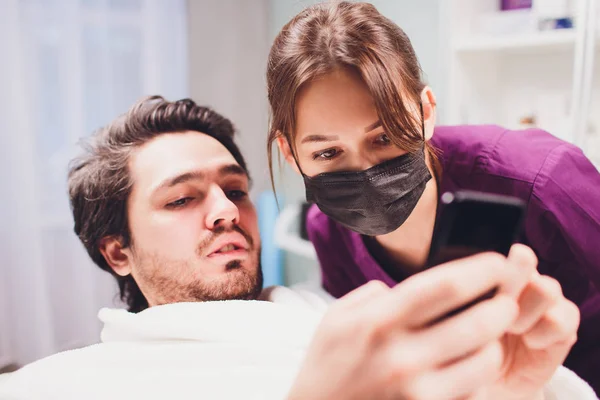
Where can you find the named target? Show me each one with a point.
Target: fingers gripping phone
(474, 222)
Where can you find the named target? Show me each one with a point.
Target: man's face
(194, 229)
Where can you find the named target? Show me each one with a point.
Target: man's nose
(221, 210)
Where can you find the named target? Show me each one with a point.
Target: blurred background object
(67, 68)
(70, 66)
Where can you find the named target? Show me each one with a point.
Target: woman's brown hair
(345, 34)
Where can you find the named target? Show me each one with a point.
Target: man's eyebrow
(331, 138)
(232, 169)
(229, 169)
(179, 179)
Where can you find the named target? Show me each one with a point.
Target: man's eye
(383, 139)
(180, 202)
(236, 194)
(326, 155)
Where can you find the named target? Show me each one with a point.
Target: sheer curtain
(67, 67)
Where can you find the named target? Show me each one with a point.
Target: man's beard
(173, 281)
(238, 283)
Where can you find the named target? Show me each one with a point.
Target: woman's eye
(326, 155)
(383, 139)
(180, 202)
(236, 194)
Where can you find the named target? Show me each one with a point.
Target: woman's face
(337, 127)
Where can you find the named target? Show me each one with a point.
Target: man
(160, 200)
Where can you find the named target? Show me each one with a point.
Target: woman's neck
(404, 251)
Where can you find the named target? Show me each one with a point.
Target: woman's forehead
(334, 105)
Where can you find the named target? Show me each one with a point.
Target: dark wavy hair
(100, 183)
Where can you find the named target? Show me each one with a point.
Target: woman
(348, 105)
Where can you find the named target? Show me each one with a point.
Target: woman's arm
(568, 188)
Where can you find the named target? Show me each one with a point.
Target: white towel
(213, 350)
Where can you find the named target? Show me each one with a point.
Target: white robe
(213, 350)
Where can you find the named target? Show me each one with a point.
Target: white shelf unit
(503, 78)
(590, 122)
(526, 42)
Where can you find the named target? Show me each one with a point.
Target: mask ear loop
(422, 122)
(435, 175)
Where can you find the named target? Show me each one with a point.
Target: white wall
(229, 43)
(420, 20)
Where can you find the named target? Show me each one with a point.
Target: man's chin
(241, 281)
(233, 265)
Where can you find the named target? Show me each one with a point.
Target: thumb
(524, 261)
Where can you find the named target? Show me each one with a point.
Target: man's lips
(228, 244)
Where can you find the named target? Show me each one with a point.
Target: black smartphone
(475, 222)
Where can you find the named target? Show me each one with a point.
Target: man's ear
(428, 101)
(284, 148)
(115, 255)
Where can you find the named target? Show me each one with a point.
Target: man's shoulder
(167, 368)
(59, 370)
(67, 358)
(302, 295)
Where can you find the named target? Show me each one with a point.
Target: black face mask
(375, 201)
